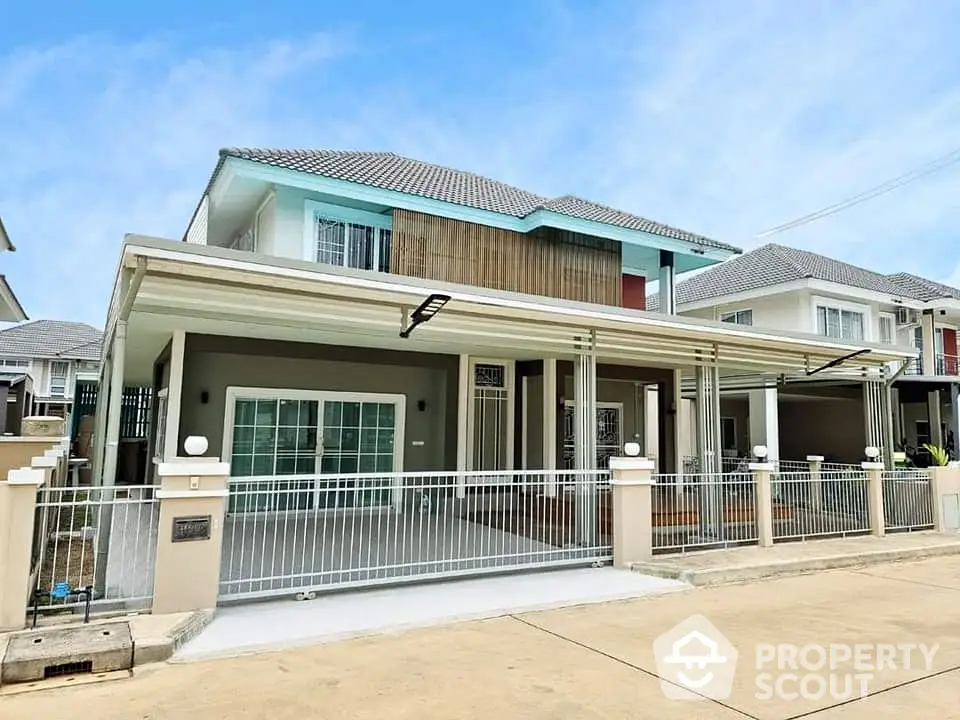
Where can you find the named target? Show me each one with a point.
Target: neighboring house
(775, 286)
(10, 308)
(56, 355)
(332, 313)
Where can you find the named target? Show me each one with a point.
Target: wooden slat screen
(547, 262)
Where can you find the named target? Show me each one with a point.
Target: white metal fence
(703, 511)
(290, 535)
(908, 502)
(103, 538)
(831, 504)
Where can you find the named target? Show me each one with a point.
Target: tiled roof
(51, 339)
(771, 265)
(923, 289)
(389, 171)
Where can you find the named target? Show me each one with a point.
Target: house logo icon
(695, 661)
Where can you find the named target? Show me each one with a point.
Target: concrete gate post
(18, 504)
(816, 484)
(192, 496)
(874, 470)
(945, 494)
(763, 501)
(631, 483)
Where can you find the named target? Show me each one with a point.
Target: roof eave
(5, 243)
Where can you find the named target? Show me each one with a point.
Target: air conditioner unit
(906, 316)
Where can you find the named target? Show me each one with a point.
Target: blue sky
(723, 118)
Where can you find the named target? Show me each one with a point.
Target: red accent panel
(949, 351)
(634, 292)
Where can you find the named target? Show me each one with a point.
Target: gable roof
(52, 339)
(389, 171)
(5, 242)
(923, 289)
(771, 265)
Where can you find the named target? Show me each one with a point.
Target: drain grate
(69, 668)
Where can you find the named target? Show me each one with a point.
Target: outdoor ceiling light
(427, 309)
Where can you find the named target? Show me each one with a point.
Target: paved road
(586, 662)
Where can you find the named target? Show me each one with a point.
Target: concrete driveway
(592, 661)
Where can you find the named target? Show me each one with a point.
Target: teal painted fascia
(405, 201)
(350, 215)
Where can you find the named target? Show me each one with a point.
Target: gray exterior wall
(214, 363)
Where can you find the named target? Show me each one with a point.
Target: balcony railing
(942, 365)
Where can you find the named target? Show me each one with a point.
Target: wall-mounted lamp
(425, 312)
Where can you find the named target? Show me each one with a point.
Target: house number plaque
(191, 527)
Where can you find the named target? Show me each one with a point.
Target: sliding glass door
(283, 442)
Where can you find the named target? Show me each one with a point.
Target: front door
(609, 434)
(282, 443)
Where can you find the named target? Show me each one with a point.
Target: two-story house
(362, 335)
(775, 286)
(16, 387)
(55, 355)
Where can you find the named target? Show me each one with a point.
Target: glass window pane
(308, 413)
(385, 440)
(368, 414)
(385, 463)
(368, 440)
(289, 412)
(332, 412)
(243, 441)
(821, 321)
(351, 415)
(349, 464)
(368, 463)
(286, 440)
(263, 465)
(266, 412)
(306, 440)
(386, 415)
(265, 440)
(241, 466)
(383, 260)
(245, 412)
(306, 464)
(330, 241)
(350, 440)
(286, 465)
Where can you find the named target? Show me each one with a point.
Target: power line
(908, 177)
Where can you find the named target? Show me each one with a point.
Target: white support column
(114, 404)
(550, 425)
(585, 443)
(764, 418)
(667, 283)
(463, 424)
(100, 423)
(928, 357)
(935, 418)
(174, 395)
(677, 425)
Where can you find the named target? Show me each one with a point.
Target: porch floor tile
(275, 624)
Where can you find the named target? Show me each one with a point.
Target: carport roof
(239, 289)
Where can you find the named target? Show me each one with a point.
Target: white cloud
(723, 119)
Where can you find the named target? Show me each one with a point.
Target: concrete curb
(701, 577)
(159, 648)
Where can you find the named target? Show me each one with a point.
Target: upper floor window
(738, 317)
(887, 329)
(59, 370)
(14, 363)
(839, 323)
(350, 238)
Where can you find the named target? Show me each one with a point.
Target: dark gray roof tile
(51, 339)
(923, 289)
